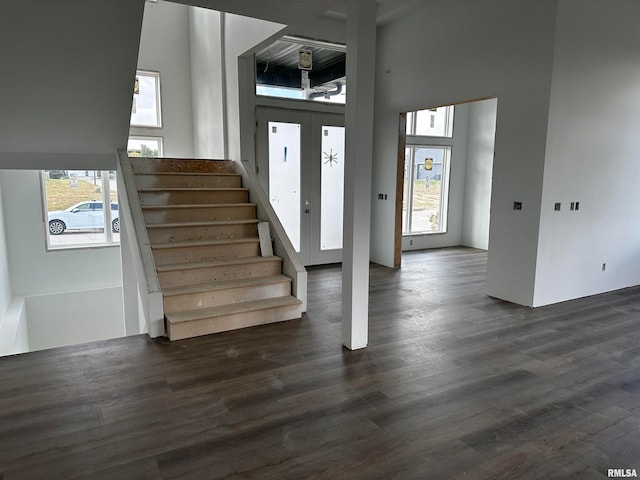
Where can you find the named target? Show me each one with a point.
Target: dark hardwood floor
(453, 385)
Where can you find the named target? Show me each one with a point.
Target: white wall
(241, 35)
(477, 198)
(457, 175)
(14, 335)
(216, 43)
(34, 270)
(56, 276)
(207, 68)
(165, 47)
(323, 28)
(213, 33)
(5, 278)
(67, 72)
(13, 323)
(593, 153)
(494, 48)
(74, 317)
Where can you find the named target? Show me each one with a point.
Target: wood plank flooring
(454, 385)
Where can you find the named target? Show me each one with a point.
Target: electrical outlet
(410, 242)
(517, 205)
(572, 207)
(380, 196)
(604, 267)
(577, 205)
(557, 206)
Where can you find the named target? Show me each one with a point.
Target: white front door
(300, 159)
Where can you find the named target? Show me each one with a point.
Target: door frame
(397, 238)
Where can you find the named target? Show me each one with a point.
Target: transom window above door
(431, 122)
(302, 69)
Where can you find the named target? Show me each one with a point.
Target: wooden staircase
(203, 234)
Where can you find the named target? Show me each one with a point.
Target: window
(426, 175)
(144, 146)
(74, 204)
(280, 92)
(145, 109)
(426, 171)
(433, 122)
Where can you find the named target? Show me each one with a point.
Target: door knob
(306, 210)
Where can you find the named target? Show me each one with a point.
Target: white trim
(151, 138)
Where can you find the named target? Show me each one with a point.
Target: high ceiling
(298, 12)
(287, 12)
(68, 66)
(277, 64)
(388, 10)
(67, 72)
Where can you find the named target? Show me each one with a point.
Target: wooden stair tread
(155, 165)
(196, 205)
(191, 189)
(203, 174)
(216, 263)
(225, 285)
(212, 223)
(181, 159)
(205, 243)
(230, 309)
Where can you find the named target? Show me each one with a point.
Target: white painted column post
(361, 56)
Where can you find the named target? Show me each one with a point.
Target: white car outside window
(86, 215)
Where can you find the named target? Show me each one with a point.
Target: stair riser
(207, 326)
(217, 274)
(188, 181)
(167, 256)
(191, 301)
(199, 214)
(152, 165)
(217, 232)
(193, 197)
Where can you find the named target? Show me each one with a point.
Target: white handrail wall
(140, 255)
(282, 247)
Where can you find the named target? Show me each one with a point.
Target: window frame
(151, 138)
(156, 75)
(443, 211)
(108, 215)
(414, 141)
(412, 122)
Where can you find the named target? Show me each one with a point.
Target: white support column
(361, 56)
